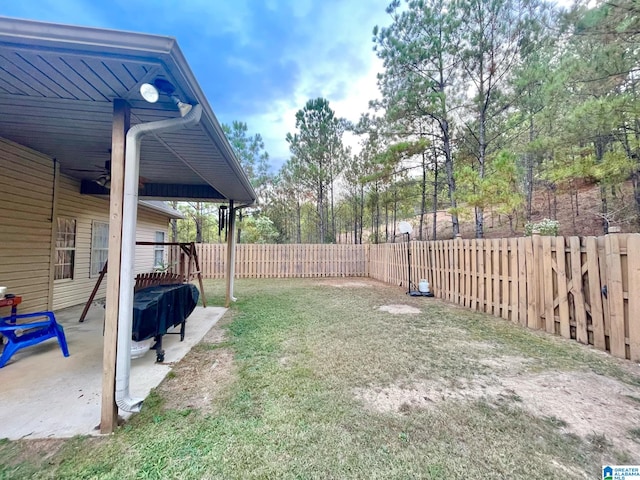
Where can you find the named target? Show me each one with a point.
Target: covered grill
(159, 308)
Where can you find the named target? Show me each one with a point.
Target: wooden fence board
(474, 275)
(595, 293)
(488, 284)
(493, 274)
(504, 278)
(441, 282)
(563, 298)
(633, 265)
(444, 269)
(455, 280)
(482, 296)
(448, 252)
(467, 268)
(538, 277)
(532, 284)
(514, 276)
(459, 271)
(577, 291)
(602, 265)
(615, 296)
(522, 282)
(547, 271)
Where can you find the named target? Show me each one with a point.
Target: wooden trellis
(187, 269)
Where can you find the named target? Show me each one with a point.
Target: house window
(158, 251)
(99, 246)
(65, 248)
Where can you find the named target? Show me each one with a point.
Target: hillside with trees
(492, 114)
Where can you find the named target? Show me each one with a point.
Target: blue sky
(257, 61)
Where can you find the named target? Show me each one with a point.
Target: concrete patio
(45, 395)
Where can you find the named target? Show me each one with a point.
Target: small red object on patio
(12, 302)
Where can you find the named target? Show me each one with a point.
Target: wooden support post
(231, 257)
(121, 120)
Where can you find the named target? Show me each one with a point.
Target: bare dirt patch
(399, 309)
(423, 394)
(470, 344)
(505, 363)
(590, 404)
(284, 362)
(587, 404)
(216, 335)
(200, 376)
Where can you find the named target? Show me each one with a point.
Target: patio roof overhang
(58, 84)
(73, 93)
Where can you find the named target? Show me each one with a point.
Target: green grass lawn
(305, 354)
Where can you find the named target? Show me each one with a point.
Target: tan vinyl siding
(84, 209)
(87, 209)
(26, 197)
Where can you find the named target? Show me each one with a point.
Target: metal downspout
(127, 265)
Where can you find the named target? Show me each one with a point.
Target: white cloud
(337, 63)
(328, 45)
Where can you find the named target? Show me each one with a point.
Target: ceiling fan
(104, 174)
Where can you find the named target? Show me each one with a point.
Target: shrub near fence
(587, 289)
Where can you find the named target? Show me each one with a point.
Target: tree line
(482, 103)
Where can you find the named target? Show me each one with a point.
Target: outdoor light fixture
(184, 108)
(151, 93)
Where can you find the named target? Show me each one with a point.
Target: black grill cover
(159, 308)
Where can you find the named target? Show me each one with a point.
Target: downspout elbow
(192, 118)
(124, 400)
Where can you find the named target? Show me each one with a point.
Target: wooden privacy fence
(286, 261)
(583, 288)
(587, 289)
